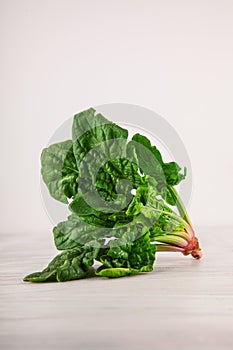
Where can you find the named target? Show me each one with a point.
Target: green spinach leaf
(130, 257)
(69, 265)
(59, 170)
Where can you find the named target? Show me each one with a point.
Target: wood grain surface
(183, 304)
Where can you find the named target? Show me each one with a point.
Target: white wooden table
(184, 304)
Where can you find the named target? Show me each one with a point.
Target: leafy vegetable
(122, 200)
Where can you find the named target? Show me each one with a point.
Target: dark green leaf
(133, 255)
(75, 232)
(143, 140)
(91, 129)
(173, 174)
(69, 265)
(151, 163)
(59, 171)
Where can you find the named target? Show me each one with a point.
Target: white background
(59, 57)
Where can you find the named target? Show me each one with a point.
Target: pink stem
(172, 243)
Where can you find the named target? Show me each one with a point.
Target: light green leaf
(117, 272)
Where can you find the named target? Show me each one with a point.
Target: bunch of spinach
(122, 200)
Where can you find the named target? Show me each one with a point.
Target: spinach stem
(180, 205)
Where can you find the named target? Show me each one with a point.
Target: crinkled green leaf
(172, 173)
(143, 154)
(96, 141)
(91, 129)
(59, 171)
(151, 163)
(86, 224)
(130, 257)
(109, 178)
(80, 207)
(115, 182)
(143, 140)
(75, 231)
